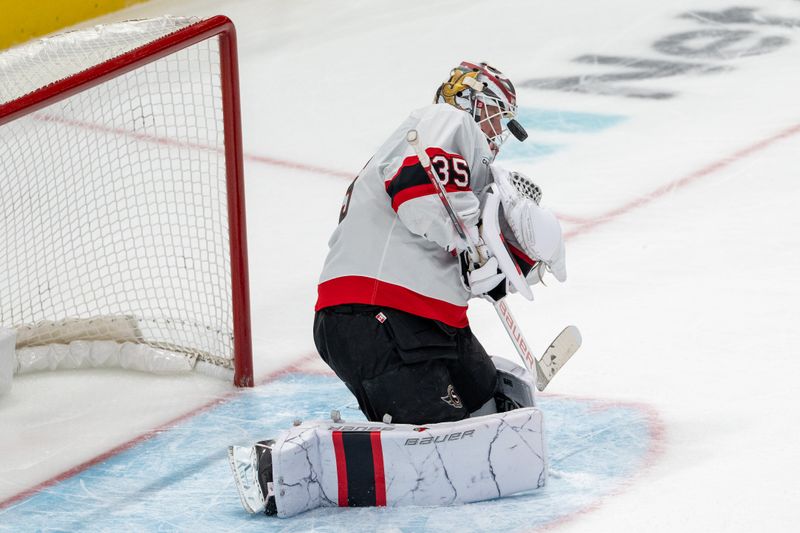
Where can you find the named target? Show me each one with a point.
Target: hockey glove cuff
(485, 278)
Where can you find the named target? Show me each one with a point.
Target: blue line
(513, 149)
(551, 120)
(565, 121)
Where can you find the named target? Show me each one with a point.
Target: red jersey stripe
(422, 190)
(412, 160)
(369, 291)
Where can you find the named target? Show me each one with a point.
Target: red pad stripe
(364, 290)
(341, 467)
(422, 190)
(377, 461)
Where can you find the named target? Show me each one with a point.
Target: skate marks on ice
(180, 479)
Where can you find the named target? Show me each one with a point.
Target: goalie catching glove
(534, 229)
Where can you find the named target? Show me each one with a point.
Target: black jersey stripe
(452, 169)
(408, 176)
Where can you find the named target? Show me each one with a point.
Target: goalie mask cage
(121, 191)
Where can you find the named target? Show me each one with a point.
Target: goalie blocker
(362, 464)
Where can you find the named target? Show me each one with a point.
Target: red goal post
(148, 231)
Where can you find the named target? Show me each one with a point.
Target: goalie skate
(252, 472)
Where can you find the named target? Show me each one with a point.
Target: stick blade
(556, 355)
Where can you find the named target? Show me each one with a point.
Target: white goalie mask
(534, 228)
(489, 96)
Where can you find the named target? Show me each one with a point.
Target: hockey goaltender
(447, 422)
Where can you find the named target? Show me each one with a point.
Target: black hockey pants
(415, 369)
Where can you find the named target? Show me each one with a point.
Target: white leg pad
(365, 464)
(515, 382)
(245, 475)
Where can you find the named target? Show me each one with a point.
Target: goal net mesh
(113, 207)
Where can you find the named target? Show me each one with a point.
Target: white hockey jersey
(395, 245)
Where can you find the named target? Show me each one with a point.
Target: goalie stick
(565, 344)
(554, 357)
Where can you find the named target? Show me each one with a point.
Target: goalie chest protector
(394, 243)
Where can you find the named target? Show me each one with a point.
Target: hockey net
(121, 198)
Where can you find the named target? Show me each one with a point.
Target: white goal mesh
(114, 200)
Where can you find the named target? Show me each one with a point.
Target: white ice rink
(666, 135)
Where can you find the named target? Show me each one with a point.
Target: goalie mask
(488, 96)
(534, 228)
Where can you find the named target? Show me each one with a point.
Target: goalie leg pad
(244, 465)
(373, 464)
(252, 473)
(516, 386)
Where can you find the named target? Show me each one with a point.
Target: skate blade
(245, 474)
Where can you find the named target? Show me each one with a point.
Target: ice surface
(181, 476)
(683, 254)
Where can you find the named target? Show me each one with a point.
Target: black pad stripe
(360, 468)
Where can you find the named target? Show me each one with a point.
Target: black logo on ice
(452, 398)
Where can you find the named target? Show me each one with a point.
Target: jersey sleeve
(450, 139)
